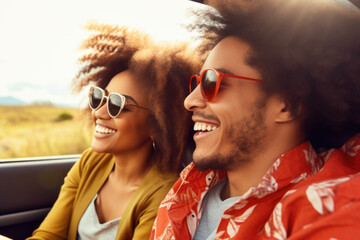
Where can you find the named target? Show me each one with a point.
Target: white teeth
(101, 129)
(203, 127)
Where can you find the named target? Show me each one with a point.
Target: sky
(40, 39)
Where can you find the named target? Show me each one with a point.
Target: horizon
(9, 101)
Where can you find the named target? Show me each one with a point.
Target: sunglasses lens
(114, 105)
(95, 98)
(193, 83)
(208, 84)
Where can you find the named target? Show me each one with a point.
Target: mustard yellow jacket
(81, 184)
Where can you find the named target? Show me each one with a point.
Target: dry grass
(31, 131)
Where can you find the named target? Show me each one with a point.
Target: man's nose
(194, 100)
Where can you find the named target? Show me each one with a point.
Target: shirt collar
(291, 167)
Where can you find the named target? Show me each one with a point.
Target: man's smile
(202, 126)
(203, 129)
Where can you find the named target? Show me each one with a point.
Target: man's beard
(246, 136)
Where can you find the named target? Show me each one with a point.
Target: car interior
(28, 189)
(30, 186)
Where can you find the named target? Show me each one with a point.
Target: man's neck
(246, 175)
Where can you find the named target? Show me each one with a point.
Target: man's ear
(284, 113)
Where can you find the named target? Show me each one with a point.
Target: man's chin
(201, 166)
(216, 162)
(201, 161)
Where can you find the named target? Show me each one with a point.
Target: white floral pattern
(312, 159)
(300, 178)
(293, 194)
(326, 155)
(351, 148)
(320, 195)
(278, 232)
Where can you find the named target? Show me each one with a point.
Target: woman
(141, 135)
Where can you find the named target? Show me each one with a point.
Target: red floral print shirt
(303, 196)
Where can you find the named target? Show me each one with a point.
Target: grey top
(213, 209)
(90, 227)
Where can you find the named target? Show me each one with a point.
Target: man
(281, 82)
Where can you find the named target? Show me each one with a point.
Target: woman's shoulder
(161, 176)
(90, 158)
(157, 181)
(154, 187)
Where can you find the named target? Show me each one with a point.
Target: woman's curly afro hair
(162, 69)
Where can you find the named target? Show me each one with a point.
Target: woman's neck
(132, 166)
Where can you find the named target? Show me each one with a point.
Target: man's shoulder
(331, 197)
(320, 210)
(335, 179)
(337, 163)
(322, 195)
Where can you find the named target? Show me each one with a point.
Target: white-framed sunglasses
(115, 101)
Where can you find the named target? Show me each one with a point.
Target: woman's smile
(102, 131)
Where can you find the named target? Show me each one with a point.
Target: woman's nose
(102, 112)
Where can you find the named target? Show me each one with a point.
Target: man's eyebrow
(223, 70)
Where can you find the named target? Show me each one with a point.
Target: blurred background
(38, 51)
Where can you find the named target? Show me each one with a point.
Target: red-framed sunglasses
(210, 80)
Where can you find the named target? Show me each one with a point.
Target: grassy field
(31, 131)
